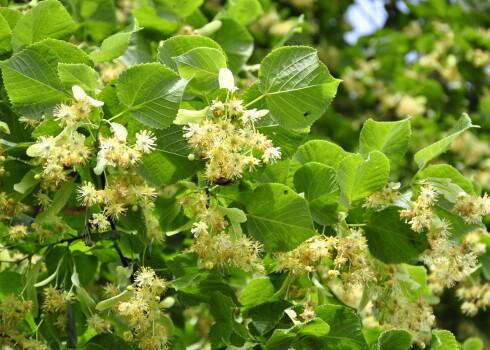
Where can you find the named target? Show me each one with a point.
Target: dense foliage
(184, 174)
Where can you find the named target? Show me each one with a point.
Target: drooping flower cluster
(449, 262)
(474, 240)
(143, 311)
(116, 152)
(471, 207)
(12, 313)
(10, 207)
(124, 190)
(304, 258)
(56, 303)
(351, 262)
(397, 310)
(421, 216)
(215, 246)
(229, 140)
(69, 147)
(222, 250)
(475, 296)
(383, 198)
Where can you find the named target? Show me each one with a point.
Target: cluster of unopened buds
(229, 140)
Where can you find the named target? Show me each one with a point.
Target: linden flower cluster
(56, 302)
(10, 207)
(124, 189)
(230, 142)
(143, 311)
(68, 148)
(12, 311)
(221, 250)
(448, 261)
(391, 305)
(304, 258)
(350, 260)
(471, 207)
(116, 152)
(421, 216)
(474, 240)
(383, 198)
(212, 244)
(475, 297)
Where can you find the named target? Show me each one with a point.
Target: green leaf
(48, 19)
(105, 304)
(225, 331)
(278, 217)
(296, 85)
(428, 153)
(152, 93)
(48, 127)
(345, 327)
(234, 214)
(288, 140)
(390, 239)
(318, 182)
(27, 183)
(473, 344)
(185, 116)
(236, 41)
(316, 328)
(98, 18)
(267, 315)
(256, 292)
(447, 171)
(149, 19)
(359, 177)
(78, 74)
(179, 45)
(169, 162)
(30, 290)
(31, 76)
(87, 303)
(59, 201)
(109, 341)
(12, 16)
(413, 279)
(395, 339)
(243, 11)
(281, 172)
(391, 138)
(10, 283)
(114, 46)
(183, 8)
(5, 35)
(202, 64)
(443, 340)
(321, 151)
